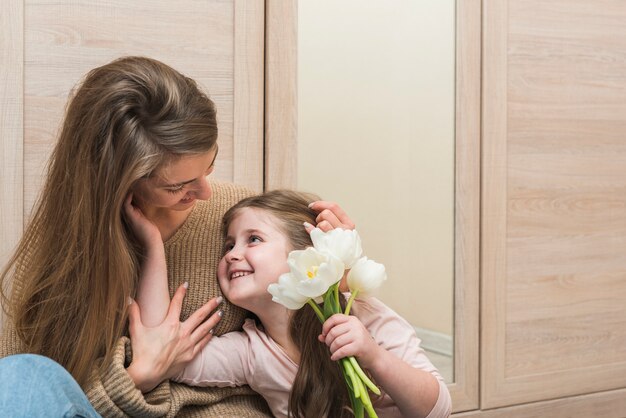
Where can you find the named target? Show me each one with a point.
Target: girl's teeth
(239, 274)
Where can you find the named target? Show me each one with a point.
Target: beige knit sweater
(192, 256)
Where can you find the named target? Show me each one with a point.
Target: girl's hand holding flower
(346, 336)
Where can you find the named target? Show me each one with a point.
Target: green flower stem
(357, 408)
(362, 391)
(367, 403)
(349, 305)
(356, 387)
(363, 376)
(370, 409)
(357, 405)
(316, 308)
(337, 305)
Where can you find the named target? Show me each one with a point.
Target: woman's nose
(203, 190)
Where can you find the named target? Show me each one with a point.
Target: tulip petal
(366, 276)
(285, 293)
(344, 244)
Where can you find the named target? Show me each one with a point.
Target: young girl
(280, 353)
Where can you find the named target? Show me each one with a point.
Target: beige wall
(376, 134)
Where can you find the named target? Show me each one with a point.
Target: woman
(134, 126)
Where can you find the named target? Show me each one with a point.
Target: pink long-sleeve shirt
(251, 357)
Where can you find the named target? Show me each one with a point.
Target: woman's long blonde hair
(318, 389)
(77, 262)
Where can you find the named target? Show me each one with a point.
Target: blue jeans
(35, 386)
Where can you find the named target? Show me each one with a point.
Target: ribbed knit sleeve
(9, 343)
(113, 393)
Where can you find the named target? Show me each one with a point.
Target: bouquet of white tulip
(315, 275)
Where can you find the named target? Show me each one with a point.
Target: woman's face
(176, 185)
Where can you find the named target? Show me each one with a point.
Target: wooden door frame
(281, 116)
(465, 389)
(281, 94)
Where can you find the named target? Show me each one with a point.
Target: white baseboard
(436, 342)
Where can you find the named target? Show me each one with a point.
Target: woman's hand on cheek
(330, 216)
(144, 229)
(163, 351)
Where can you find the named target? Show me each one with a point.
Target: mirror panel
(376, 129)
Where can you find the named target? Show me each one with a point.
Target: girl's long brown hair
(77, 262)
(319, 389)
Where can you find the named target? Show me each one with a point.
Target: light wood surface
(611, 404)
(493, 195)
(464, 389)
(11, 134)
(11, 117)
(554, 176)
(218, 43)
(248, 84)
(47, 47)
(281, 99)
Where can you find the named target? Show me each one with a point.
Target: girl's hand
(144, 229)
(346, 336)
(330, 216)
(163, 351)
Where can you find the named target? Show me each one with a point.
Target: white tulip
(366, 276)
(344, 244)
(285, 293)
(314, 271)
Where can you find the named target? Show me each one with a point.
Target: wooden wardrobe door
(48, 46)
(554, 200)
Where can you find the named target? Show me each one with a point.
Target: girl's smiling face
(255, 255)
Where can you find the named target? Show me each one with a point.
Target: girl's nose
(233, 255)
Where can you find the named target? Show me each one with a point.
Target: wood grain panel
(610, 404)
(493, 196)
(465, 388)
(281, 98)
(206, 40)
(249, 94)
(11, 133)
(554, 231)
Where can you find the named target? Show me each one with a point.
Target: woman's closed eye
(176, 189)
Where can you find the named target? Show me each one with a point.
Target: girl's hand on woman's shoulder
(162, 352)
(330, 216)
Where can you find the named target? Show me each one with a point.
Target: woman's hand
(330, 216)
(346, 336)
(144, 229)
(162, 352)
